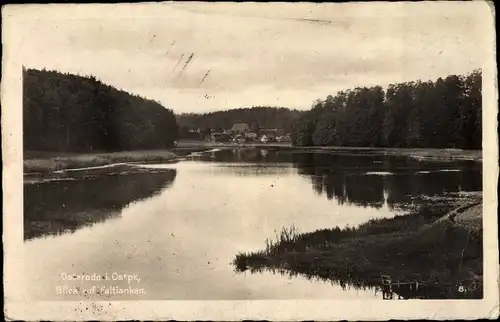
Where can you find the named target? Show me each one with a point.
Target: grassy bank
(423, 246)
(44, 162)
(48, 162)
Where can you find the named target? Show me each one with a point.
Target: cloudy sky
(258, 54)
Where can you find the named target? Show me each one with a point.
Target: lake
(170, 231)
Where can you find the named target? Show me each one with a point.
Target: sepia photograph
(225, 153)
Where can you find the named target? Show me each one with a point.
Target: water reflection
(392, 291)
(233, 199)
(55, 207)
(349, 178)
(372, 181)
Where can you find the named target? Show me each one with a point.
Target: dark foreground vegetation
(441, 253)
(441, 114)
(64, 112)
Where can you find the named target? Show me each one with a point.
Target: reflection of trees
(55, 207)
(335, 176)
(347, 178)
(334, 185)
(365, 191)
(470, 180)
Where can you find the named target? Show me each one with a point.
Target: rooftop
(240, 127)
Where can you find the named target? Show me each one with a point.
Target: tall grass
(289, 239)
(287, 236)
(410, 247)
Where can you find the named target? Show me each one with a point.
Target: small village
(242, 133)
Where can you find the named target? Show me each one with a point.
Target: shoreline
(36, 162)
(424, 154)
(438, 246)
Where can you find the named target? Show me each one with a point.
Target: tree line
(445, 113)
(256, 117)
(65, 112)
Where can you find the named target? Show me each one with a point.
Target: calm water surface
(177, 227)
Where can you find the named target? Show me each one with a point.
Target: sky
(274, 54)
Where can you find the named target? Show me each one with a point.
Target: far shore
(43, 162)
(416, 153)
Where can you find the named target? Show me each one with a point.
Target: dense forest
(441, 114)
(262, 117)
(64, 112)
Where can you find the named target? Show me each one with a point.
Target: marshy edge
(443, 240)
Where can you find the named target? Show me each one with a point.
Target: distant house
(240, 128)
(251, 136)
(271, 133)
